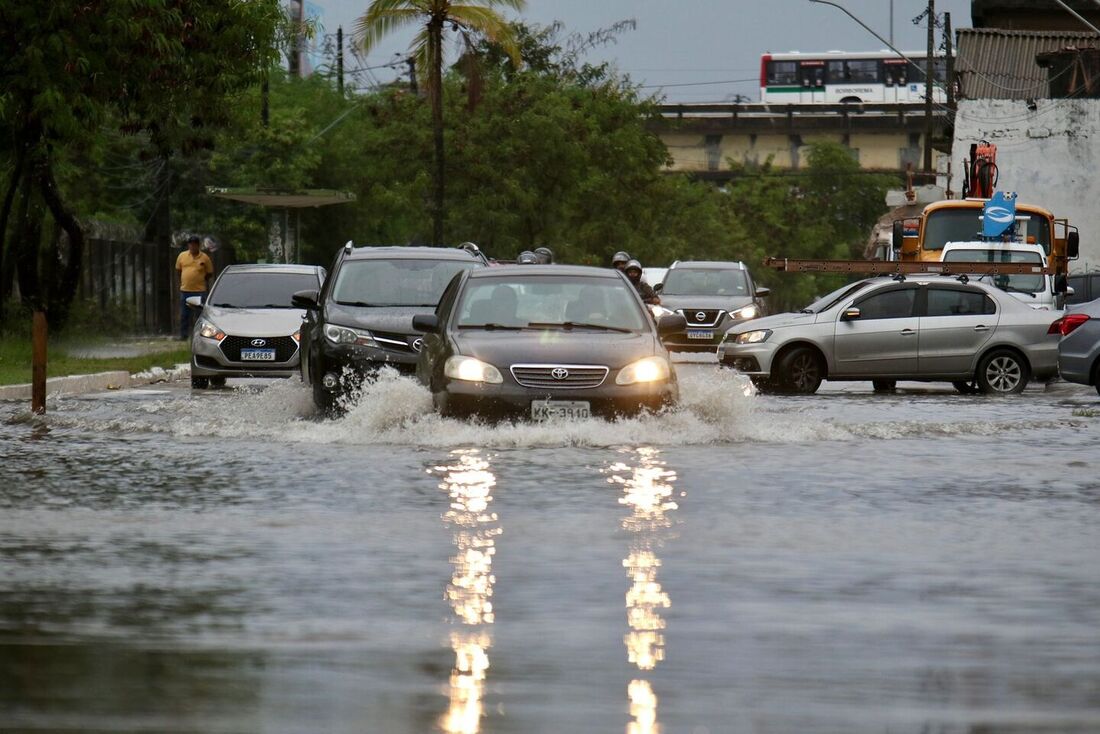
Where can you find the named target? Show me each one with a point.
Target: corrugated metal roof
(999, 64)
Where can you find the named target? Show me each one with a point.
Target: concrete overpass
(703, 138)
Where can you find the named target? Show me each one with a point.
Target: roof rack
(474, 250)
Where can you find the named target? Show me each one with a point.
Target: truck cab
(1036, 290)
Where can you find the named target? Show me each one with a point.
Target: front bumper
(681, 343)
(751, 359)
(512, 400)
(359, 361)
(208, 359)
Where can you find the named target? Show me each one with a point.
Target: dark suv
(712, 296)
(361, 319)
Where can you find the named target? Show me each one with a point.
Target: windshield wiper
(806, 310)
(357, 303)
(492, 327)
(274, 305)
(580, 325)
(222, 305)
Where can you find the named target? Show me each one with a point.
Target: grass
(71, 357)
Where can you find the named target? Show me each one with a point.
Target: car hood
(725, 303)
(255, 321)
(777, 321)
(395, 319)
(558, 346)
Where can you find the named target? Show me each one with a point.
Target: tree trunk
(62, 288)
(7, 245)
(27, 236)
(435, 53)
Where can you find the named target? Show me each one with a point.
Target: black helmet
(633, 265)
(620, 257)
(527, 258)
(545, 255)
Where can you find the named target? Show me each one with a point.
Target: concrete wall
(1050, 156)
(696, 153)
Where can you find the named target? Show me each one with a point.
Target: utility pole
(949, 47)
(891, 22)
(340, 59)
(929, 70)
(411, 61)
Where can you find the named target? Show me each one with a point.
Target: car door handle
(908, 332)
(981, 328)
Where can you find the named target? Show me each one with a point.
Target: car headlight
(659, 311)
(751, 337)
(650, 369)
(344, 335)
(748, 312)
(469, 369)
(208, 330)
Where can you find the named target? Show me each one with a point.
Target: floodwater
(846, 562)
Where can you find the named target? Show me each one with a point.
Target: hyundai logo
(559, 373)
(417, 344)
(700, 316)
(258, 342)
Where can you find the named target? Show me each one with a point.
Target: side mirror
(1061, 284)
(671, 324)
(194, 302)
(898, 234)
(658, 288)
(1073, 245)
(427, 323)
(850, 314)
(762, 292)
(305, 299)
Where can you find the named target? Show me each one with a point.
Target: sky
(712, 45)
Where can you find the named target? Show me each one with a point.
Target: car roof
(709, 264)
(272, 268)
(995, 246)
(369, 252)
(545, 270)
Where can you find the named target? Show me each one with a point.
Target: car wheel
(884, 385)
(217, 382)
(763, 384)
(966, 387)
(325, 401)
(199, 383)
(1002, 372)
(1096, 377)
(800, 371)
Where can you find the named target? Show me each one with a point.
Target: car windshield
(960, 225)
(260, 290)
(1017, 283)
(705, 282)
(532, 301)
(397, 282)
(826, 302)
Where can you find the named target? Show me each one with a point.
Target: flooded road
(845, 562)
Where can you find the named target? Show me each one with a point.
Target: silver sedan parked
(1079, 349)
(933, 329)
(248, 326)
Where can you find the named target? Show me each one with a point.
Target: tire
(966, 387)
(763, 384)
(325, 401)
(800, 372)
(199, 383)
(1002, 372)
(884, 385)
(218, 382)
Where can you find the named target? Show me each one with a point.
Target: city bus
(837, 77)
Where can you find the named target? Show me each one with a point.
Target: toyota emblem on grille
(258, 342)
(417, 344)
(559, 373)
(700, 316)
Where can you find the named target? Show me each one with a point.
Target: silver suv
(712, 296)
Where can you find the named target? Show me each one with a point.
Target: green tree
(168, 69)
(469, 20)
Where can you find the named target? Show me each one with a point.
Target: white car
(1036, 290)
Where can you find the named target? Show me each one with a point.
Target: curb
(77, 384)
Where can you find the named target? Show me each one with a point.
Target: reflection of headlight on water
(643, 707)
(469, 484)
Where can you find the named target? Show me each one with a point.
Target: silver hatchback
(248, 326)
(933, 329)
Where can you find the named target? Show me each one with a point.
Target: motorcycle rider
(633, 271)
(620, 259)
(545, 255)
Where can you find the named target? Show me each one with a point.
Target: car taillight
(1067, 323)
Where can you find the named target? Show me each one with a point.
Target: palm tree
(465, 17)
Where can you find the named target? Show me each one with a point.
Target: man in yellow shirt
(195, 270)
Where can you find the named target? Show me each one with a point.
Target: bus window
(895, 73)
(813, 76)
(782, 73)
(863, 71)
(834, 73)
